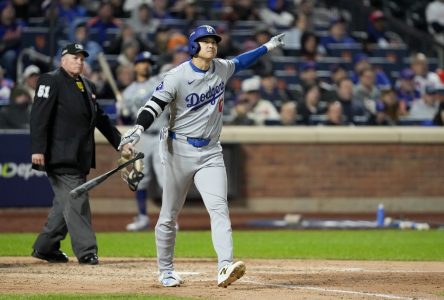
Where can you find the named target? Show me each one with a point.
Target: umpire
(63, 117)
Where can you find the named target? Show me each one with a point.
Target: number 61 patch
(43, 91)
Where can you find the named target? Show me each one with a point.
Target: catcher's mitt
(132, 174)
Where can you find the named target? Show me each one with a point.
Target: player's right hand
(276, 41)
(131, 136)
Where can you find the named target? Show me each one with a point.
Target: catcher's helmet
(200, 32)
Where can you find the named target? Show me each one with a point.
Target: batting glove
(276, 41)
(131, 136)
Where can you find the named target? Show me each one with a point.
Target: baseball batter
(190, 149)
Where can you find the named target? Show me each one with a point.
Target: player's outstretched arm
(246, 59)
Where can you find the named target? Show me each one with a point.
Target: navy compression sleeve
(152, 109)
(246, 59)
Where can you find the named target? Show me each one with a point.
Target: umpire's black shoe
(89, 259)
(53, 257)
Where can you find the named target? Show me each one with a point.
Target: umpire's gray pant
(67, 215)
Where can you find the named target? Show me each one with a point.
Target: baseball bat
(104, 65)
(99, 179)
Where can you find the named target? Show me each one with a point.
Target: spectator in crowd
(124, 76)
(386, 110)
(434, 15)
(104, 21)
(190, 11)
(361, 62)
(226, 47)
(69, 11)
(129, 51)
(439, 116)
(160, 10)
(338, 72)
(118, 8)
(16, 114)
(241, 10)
(276, 13)
(10, 38)
(176, 40)
(334, 114)
(161, 38)
(143, 23)
(80, 35)
(426, 107)
(251, 109)
(405, 89)
(269, 90)
(308, 77)
(294, 34)
(337, 33)
(135, 97)
(126, 36)
(21, 9)
(310, 47)
(310, 105)
(29, 80)
(289, 114)
(314, 13)
(423, 77)
(353, 110)
(366, 91)
(6, 86)
(378, 116)
(377, 33)
(133, 5)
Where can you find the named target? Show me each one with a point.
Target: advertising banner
(20, 186)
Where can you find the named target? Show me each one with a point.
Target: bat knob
(74, 194)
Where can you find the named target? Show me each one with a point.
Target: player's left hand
(132, 136)
(276, 41)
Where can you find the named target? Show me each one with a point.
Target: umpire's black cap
(74, 48)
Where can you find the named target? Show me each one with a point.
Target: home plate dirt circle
(264, 279)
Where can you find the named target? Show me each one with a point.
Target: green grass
(344, 244)
(87, 296)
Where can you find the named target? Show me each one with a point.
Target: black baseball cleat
(53, 257)
(89, 259)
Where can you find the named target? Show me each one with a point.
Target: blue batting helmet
(200, 32)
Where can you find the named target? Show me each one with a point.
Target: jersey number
(43, 91)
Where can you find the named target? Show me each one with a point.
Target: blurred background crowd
(355, 63)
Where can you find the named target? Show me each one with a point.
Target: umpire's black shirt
(63, 117)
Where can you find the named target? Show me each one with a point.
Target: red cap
(376, 15)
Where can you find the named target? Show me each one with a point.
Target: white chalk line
(386, 296)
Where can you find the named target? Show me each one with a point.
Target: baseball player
(190, 149)
(134, 97)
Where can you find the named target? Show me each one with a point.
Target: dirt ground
(265, 279)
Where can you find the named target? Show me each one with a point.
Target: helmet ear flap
(194, 48)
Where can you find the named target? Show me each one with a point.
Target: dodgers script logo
(197, 101)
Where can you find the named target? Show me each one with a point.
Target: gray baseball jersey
(134, 97)
(196, 100)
